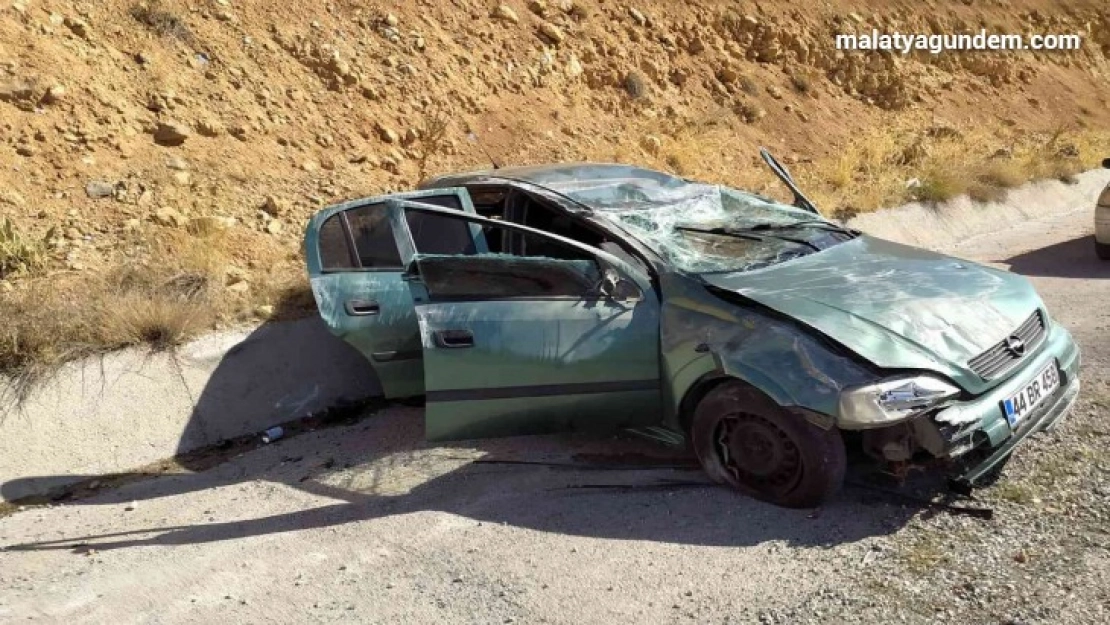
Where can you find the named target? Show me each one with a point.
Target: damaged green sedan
(600, 297)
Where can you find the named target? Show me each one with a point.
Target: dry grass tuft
(18, 253)
(941, 184)
(923, 161)
(432, 137)
(801, 83)
(161, 21)
(159, 301)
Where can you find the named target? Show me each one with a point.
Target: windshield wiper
(820, 223)
(725, 232)
(746, 233)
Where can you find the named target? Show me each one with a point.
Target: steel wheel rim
(758, 453)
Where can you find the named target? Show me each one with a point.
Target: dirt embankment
(197, 137)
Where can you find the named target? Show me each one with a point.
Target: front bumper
(978, 432)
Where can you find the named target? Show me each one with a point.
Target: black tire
(1102, 250)
(745, 440)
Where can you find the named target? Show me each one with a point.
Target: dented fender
(705, 335)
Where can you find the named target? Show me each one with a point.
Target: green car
(596, 297)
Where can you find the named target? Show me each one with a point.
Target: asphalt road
(365, 523)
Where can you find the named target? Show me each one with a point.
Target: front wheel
(745, 440)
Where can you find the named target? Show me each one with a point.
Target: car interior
(515, 206)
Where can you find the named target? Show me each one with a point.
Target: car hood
(896, 306)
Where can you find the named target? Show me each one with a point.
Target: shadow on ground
(376, 467)
(368, 461)
(1070, 259)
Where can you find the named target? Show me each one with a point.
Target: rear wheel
(1103, 250)
(745, 440)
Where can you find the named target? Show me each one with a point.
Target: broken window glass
(653, 206)
(335, 253)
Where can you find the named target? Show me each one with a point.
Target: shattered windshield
(697, 227)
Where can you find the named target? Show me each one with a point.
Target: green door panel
(510, 365)
(389, 338)
(370, 307)
(538, 366)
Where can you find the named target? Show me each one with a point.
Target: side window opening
(544, 269)
(335, 250)
(535, 213)
(372, 237)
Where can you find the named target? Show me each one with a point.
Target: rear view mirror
(625, 290)
(618, 288)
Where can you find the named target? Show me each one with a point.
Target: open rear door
(356, 272)
(544, 334)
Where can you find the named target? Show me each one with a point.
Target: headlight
(893, 400)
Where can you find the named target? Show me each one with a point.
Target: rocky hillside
(126, 124)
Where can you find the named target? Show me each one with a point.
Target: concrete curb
(959, 222)
(132, 408)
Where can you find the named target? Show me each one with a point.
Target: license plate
(1040, 388)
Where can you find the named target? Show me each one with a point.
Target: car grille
(1000, 358)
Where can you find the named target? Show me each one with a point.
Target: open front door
(356, 273)
(542, 334)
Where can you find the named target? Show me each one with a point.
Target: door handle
(454, 339)
(362, 307)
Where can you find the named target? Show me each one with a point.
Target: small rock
(391, 20)
(574, 67)
(552, 33)
(637, 16)
(24, 150)
(635, 84)
(265, 311)
(169, 217)
(385, 133)
(273, 206)
(132, 225)
(182, 178)
(16, 90)
(209, 127)
(504, 13)
(171, 134)
(131, 506)
(774, 92)
(651, 144)
(539, 7)
(210, 224)
(275, 226)
(178, 163)
(54, 94)
(97, 189)
(77, 26)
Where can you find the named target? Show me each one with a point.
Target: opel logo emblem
(1015, 345)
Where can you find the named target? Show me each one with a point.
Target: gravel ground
(362, 522)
